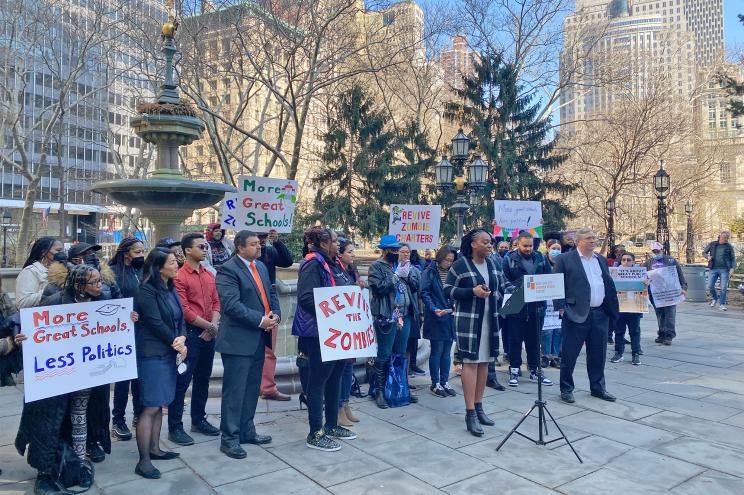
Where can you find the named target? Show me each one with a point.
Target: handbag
(70, 469)
(397, 393)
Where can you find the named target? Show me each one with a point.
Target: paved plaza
(678, 426)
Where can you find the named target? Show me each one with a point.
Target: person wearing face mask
(391, 306)
(667, 315)
(32, 279)
(127, 264)
(551, 337)
(220, 247)
(630, 320)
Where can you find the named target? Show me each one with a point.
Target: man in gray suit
(590, 305)
(250, 311)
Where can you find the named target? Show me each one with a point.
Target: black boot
(381, 372)
(46, 485)
(481, 414)
(471, 421)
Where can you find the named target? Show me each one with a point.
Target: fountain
(166, 198)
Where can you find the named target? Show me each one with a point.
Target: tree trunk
(27, 216)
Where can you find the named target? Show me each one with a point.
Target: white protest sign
(261, 204)
(72, 347)
(416, 225)
(344, 323)
(543, 287)
(665, 287)
(552, 317)
(510, 217)
(632, 293)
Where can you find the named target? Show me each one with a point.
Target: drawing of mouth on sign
(109, 309)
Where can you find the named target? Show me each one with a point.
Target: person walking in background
(439, 325)
(127, 264)
(220, 247)
(32, 279)
(721, 261)
(250, 311)
(197, 291)
(667, 315)
(160, 336)
(630, 320)
(589, 305)
(320, 269)
(273, 253)
(477, 285)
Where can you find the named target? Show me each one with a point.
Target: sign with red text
(344, 323)
(72, 347)
(416, 225)
(260, 205)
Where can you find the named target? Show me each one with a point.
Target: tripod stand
(542, 410)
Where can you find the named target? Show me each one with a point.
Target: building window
(728, 174)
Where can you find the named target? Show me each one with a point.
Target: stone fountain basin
(163, 193)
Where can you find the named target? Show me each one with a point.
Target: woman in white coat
(32, 279)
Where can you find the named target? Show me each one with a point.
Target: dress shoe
(604, 396)
(180, 437)
(165, 456)
(256, 439)
(153, 474)
(495, 385)
(472, 424)
(233, 451)
(205, 428)
(567, 397)
(276, 396)
(96, 453)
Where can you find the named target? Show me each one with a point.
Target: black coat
(275, 255)
(433, 297)
(514, 271)
(157, 326)
(578, 291)
(383, 287)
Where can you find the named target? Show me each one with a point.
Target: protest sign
(665, 287)
(510, 217)
(543, 287)
(344, 323)
(632, 293)
(416, 225)
(77, 346)
(552, 317)
(260, 205)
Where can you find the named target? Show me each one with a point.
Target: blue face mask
(554, 253)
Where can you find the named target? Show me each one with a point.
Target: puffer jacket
(57, 275)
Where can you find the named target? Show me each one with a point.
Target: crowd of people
(205, 293)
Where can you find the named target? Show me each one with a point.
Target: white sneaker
(514, 377)
(713, 303)
(722, 307)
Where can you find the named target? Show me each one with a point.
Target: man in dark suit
(589, 306)
(250, 311)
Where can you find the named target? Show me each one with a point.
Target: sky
(732, 28)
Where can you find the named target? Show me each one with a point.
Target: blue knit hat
(388, 242)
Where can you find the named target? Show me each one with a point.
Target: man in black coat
(250, 311)
(589, 306)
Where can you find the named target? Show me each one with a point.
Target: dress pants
(199, 362)
(593, 331)
(268, 382)
(121, 397)
(241, 382)
(666, 318)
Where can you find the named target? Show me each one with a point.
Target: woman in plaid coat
(477, 285)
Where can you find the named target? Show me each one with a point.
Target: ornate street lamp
(460, 146)
(690, 251)
(610, 206)
(477, 173)
(443, 171)
(661, 185)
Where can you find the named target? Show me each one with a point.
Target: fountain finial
(169, 89)
(169, 26)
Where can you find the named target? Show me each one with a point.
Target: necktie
(261, 290)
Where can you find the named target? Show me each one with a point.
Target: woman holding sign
(477, 285)
(320, 269)
(160, 336)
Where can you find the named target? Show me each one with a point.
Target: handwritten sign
(416, 225)
(510, 217)
(552, 317)
(665, 287)
(344, 323)
(72, 347)
(632, 293)
(261, 204)
(543, 287)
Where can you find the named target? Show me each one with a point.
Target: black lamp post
(690, 251)
(610, 206)
(5, 220)
(477, 176)
(661, 185)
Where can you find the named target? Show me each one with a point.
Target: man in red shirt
(197, 291)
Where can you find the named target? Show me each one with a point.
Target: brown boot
(349, 413)
(342, 419)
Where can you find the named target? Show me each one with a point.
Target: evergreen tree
(513, 140)
(735, 89)
(360, 176)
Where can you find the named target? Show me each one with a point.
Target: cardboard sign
(416, 225)
(261, 204)
(344, 323)
(510, 217)
(665, 287)
(72, 347)
(632, 293)
(543, 287)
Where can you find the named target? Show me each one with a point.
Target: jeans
(440, 361)
(121, 396)
(412, 350)
(347, 375)
(667, 317)
(593, 332)
(527, 331)
(715, 275)
(393, 342)
(551, 342)
(633, 322)
(199, 367)
(323, 384)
